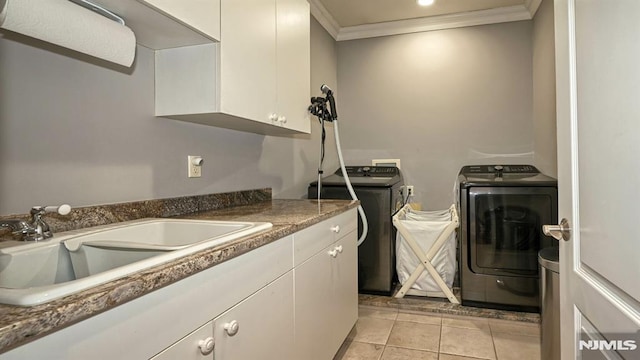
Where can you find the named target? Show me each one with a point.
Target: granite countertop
(19, 325)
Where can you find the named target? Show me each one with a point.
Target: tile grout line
(386, 343)
(440, 340)
(493, 342)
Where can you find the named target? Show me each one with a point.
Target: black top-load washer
(378, 189)
(502, 210)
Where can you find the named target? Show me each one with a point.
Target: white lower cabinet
(259, 327)
(293, 299)
(326, 293)
(326, 300)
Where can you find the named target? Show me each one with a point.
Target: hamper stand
(404, 214)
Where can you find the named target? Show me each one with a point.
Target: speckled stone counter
(19, 325)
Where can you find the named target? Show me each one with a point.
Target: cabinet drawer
(315, 238)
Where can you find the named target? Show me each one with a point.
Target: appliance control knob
(206, 345)
(231, 328)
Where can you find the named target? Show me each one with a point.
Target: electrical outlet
(194, 166)
(409, 190)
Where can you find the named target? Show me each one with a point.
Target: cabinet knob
(231, 328)
(333, 253)
(335, 229)
(206, 345)
(339, 249)
(282, 119)
(273, 117)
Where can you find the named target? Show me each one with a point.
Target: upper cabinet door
(294, 64)
(248, 59)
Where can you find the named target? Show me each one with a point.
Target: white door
(248, 59)
(598, 125)
(293, 75)
(260, 327)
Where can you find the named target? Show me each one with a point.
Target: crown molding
(325, 19)
(472, 18)
(532, 6)
(441, 22)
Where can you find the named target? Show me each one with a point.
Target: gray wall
(438, 100)
(74, 130)
(78, 131)
(544, 90)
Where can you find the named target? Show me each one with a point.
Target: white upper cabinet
(293, 64)
(201, 15)
(256, 79)
(248, 59)
(164, 24)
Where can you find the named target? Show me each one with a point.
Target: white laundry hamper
(426, 252)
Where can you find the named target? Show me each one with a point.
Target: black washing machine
(502, 210)
(378, 189)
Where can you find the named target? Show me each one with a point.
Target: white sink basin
(35, 273)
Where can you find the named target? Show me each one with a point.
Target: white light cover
(425, 2)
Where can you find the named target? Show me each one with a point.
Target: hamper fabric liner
(426, 229)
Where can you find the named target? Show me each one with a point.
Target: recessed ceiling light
(425, 2)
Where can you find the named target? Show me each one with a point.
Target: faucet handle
(63, 209)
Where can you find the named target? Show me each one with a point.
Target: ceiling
(354, 19)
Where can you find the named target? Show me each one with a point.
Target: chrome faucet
(37, 229)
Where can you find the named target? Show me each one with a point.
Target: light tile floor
(392, 334)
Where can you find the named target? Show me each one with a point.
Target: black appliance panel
(372, 176)
(507, 227)
(495, 169)
(376, 171)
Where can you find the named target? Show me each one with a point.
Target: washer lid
(503, 175)
(374, 176)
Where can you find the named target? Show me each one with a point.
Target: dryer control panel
(505, 169)
(373, 171)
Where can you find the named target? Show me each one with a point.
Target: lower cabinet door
(326, 300)
(196, 346)
(345, 286)
(259, 327)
